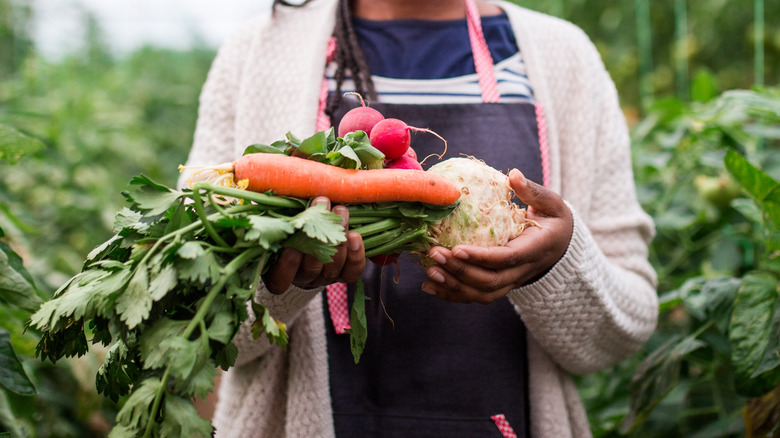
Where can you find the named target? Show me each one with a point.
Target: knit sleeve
(598, 304)
(213, 141)
(284, 307)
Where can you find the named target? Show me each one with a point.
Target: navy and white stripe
(513, 86)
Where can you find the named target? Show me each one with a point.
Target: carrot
(302, 178)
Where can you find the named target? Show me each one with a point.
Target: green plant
(716, 254)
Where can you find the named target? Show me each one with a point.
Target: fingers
(281, 275)
(540, 199)
(306, 271)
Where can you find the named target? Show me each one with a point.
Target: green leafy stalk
(198, 321)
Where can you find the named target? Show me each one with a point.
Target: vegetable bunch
(167, 294)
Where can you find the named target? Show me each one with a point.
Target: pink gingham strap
(503, 426)
(483, 62)
(338, 307)
(323, 121)
(541, 126)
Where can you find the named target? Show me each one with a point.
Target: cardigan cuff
(563, 271)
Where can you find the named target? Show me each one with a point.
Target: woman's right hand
(305, 271)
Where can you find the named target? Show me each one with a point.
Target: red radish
(392, 138)
(404, 162)
(411, 153)
(361, 118)
(384, 259)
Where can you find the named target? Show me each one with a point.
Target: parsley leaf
(319, 223)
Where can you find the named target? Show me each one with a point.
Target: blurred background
(108, 90)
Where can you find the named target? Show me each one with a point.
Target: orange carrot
(302, 178)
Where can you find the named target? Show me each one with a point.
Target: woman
(515, 88)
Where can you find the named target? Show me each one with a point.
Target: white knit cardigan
(594, 308)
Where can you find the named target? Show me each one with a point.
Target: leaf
(344, 157)
(12, 375)
(368, 155)
(221, 328)
(319, 223)
(305, 244)
(656, 377)
(163, 345)
(712, 300)
(135, 413)
(275, 329)
(190, 250)
(273, 148)
(316, 144)
(200, 384)
(8, 421)
(163, 282)
(202, 268)
(754, 334)
(762, 187)
(226, 357)
(150, 197)
(135, 303)
(14, 144)
(268, 231)
(358, 331)
(117, 374)
(182, 419)
(16, 285)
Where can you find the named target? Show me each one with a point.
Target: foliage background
(104, 119)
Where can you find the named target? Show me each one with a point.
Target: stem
(206, 223)
(393, 246)
(381, 238)
(358, 211)
(377, 227)
(260, 198)
(197, 321)
(157, 401)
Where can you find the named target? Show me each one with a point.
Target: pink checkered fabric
(323, 121)
(541, 126)
(503, 426)
(338, 306)
(483, 62)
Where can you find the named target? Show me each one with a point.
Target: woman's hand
(305, 271)
(470, 273)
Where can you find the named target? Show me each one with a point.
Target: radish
(384, 259)
(391, 136)
(361, 118)
(404, 162)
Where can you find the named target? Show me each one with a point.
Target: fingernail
(353, 242)
(520, 176)
(438, 257)
(461, 254)
(436, 275)
(428, 290)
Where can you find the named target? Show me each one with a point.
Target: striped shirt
(430, 62)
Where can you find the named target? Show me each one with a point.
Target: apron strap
(483, 62)
(323, 121)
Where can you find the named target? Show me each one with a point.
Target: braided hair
(349, 57)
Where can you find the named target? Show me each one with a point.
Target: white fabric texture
(594, 308)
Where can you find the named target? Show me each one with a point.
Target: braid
(349, 57)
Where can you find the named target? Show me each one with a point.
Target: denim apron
(432, 368)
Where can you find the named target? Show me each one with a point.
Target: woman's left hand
(470, 273)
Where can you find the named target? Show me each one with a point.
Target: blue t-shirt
(424, 49)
